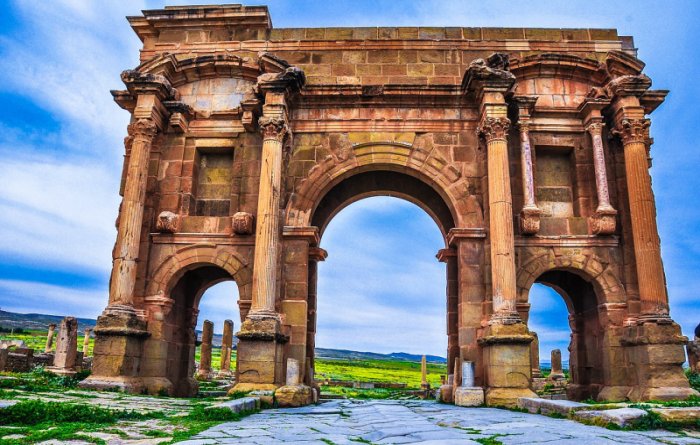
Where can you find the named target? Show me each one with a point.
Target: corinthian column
(126, 249)
(647, 246)
(273, 131)
(495, 130)
(603, 220)
(505, 342)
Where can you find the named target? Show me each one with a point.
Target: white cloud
(30, 296)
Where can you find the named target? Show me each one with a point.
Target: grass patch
(33, 412)
(388, 371)
(491, 440)
(40, 380)
(358, 393)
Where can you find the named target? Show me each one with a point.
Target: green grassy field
(389, 371)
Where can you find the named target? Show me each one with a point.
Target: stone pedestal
(260, 354)
(119, 337)
(469, 396)
(506, 349)
(64, 362)
(291, 396)
(656, 352)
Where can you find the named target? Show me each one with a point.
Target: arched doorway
(381, 288)
(390, 183)
(183, 320)
(586, 351)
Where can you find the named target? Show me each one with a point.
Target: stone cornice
(138, 83)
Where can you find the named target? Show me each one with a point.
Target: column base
(260, 350)
(656, 350)
(446, 393)
(62, 371)
(292, 396)
(507, 397)
(119, 338)
(131, 385)
(506, 352)
(613, 394)
(465, 396)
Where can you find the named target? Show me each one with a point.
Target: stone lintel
(198, 238)
(566, 241)
(309, 233)
(458, 233)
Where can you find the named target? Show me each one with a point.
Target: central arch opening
(381, 292)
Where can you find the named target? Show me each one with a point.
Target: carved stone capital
(168, 222)
(493, 128)
(595, 128)
(242, 223)
(143, 128)
(530, 220)
(273, 128)
(633, 131)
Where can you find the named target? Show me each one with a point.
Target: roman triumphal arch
(528, 147)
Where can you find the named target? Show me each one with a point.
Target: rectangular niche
(214, 179)
(554, 191)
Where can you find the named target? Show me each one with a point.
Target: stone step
(548, 406)
(620, 416)
(242, 404)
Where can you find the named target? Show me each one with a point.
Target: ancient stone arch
(528, 147)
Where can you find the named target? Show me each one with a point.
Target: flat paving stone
(343, 422)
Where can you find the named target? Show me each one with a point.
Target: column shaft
(126, 250)
(526, 163)
(601, 175)
(267, 229)
(500, 219)
(647, 250)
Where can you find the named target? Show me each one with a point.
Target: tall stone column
(120, 332)
(535, 356)
(226, 347)
(530, 213)
(655, 345)
(49, 338)
(204, 371)
(603, 220)
(261, 358)
(86, 341)
(506, 340)
(316, 255)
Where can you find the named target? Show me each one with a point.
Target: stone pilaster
(654, 343)
(530, 213)
(506, 341)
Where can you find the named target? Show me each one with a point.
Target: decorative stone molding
(180, 115)
(494, 128)
(629, 85)
(633, 131)
(272, 127)
(168, 222)
(603, 222)
(493, 71)
(242, 223)
(143, 128)
(530, 220)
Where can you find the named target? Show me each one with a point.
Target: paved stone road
(398, 422)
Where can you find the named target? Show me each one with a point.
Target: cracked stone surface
(398, 422)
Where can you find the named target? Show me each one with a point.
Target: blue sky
(61, 144)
